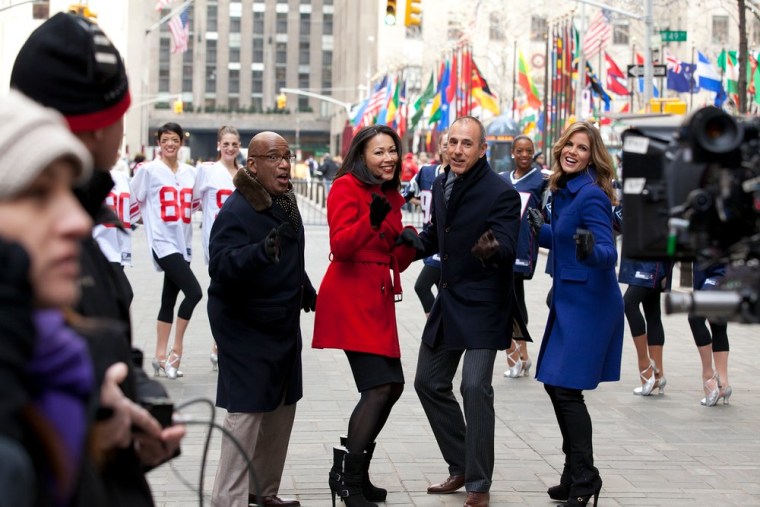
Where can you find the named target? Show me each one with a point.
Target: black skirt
(372, 370)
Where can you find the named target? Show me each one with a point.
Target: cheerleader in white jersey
(163, 191)
(212, 187)
(114, 239)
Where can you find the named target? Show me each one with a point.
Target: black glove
(584, 243)
(409, 237)
(486, 246)
(378, 210)
(535, 220)
(309, 303)
(272, 242)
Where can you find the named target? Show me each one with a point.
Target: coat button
(445, 285)
(447, 229)
(446, 257)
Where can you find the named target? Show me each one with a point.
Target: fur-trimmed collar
(254, 193)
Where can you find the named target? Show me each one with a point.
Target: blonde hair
(600, 158)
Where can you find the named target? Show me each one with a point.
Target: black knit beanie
(69, 64)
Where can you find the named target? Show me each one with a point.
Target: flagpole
(691, 88)
(545, 131)
(171, 14)
(514, 76)
(632, 80)
(599, 66)
(581, 69)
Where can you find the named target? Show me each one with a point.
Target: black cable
(206, 444)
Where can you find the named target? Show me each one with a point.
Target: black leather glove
(486, 246)
(272, 242)
(535, 220)
(409, 237)
(584, 243)
(309, 303)
(378, 210)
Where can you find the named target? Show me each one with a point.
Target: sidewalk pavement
(655, 451)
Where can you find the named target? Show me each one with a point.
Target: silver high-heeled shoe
(526, 367)
(158, 366)
(214, 358)
(725, 393)
(713, 394)
(171, 368)
(646, 388)
(514, 363)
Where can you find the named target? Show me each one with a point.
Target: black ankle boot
(575, 500)
(346, 478)
(559, 492)
(369, 490)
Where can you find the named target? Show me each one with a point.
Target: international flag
(180, 31)
(709, 79)
(680, 75)
(728, 63)
(444, 122)
(382, 115)
(596, 87)
(526, 83)
(615, 77)
(402, 111)
(419, 105)
(655, 90)
(435, 109)
(598, 33)
(481, 92)
(162, 4)
(392, 109)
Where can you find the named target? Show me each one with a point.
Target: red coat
(355, 306)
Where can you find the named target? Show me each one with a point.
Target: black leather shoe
(274, 501)
(450, 485)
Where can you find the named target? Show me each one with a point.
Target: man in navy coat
(258, 288)
(475, 223)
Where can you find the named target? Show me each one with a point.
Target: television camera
(692, 193)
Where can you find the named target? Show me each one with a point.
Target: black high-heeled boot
(562, 490)
(346, 478)
(369, 490)
(575, 500)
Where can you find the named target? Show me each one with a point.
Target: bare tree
(742, 57)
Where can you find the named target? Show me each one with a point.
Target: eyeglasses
(275, 159)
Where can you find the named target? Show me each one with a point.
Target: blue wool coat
(583, 341)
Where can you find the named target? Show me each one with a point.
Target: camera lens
(715, 132)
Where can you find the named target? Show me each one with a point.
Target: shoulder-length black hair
(355, 153)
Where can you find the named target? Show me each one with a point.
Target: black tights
(651, 322)
(370, 414)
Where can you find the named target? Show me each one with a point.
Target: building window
(538, 30)
(233, 104)
(41, 9)
(210, 66)
(305, 25)
(257, 81)
(257, 103)
(211, 18)
(454, 31)
(303, 53)
(235, 25)
(327, 2)
(719, 29)
(620, 33)
(327, 24)
(281, 53)
(495, 31)
(282, 22)
(303, 84)
(234, 43)
(258, 50)
(163, 65)
(258, 23)
(234, 81)
(187, 67)
(327, 72)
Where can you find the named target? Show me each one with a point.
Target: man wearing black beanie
(69, 64)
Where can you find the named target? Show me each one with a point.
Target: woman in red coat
(355, 309)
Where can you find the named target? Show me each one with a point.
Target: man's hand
(154, 450)
(584, 243)
(272, 242)
(309, 303)
(486, 246)
(115, 432)
(378, 210)
(535, 220)
(409, 237)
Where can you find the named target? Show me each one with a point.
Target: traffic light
(413, 15)
(390, 12)
(178, 106)
(82, 10)
(282, 102)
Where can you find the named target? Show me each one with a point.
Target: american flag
(598, 33)
(161, 4)
(178, 26)
(376, 102)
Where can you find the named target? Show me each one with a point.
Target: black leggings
(371, 414)
(651, 322)
(702, 336)
(177, 276)
(520, 296)
(429, 276)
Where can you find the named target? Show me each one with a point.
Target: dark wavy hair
(355, 153)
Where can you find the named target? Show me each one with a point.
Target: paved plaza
(656, 451)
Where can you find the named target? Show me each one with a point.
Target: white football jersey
(165, 201)
(116, 243)
(213, 185)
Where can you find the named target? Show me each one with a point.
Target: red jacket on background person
(409, 168)
(355, 307)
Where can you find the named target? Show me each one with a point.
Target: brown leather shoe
(477, 499)
(450, 485)
(274, 501)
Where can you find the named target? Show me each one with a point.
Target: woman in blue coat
(583, 341)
